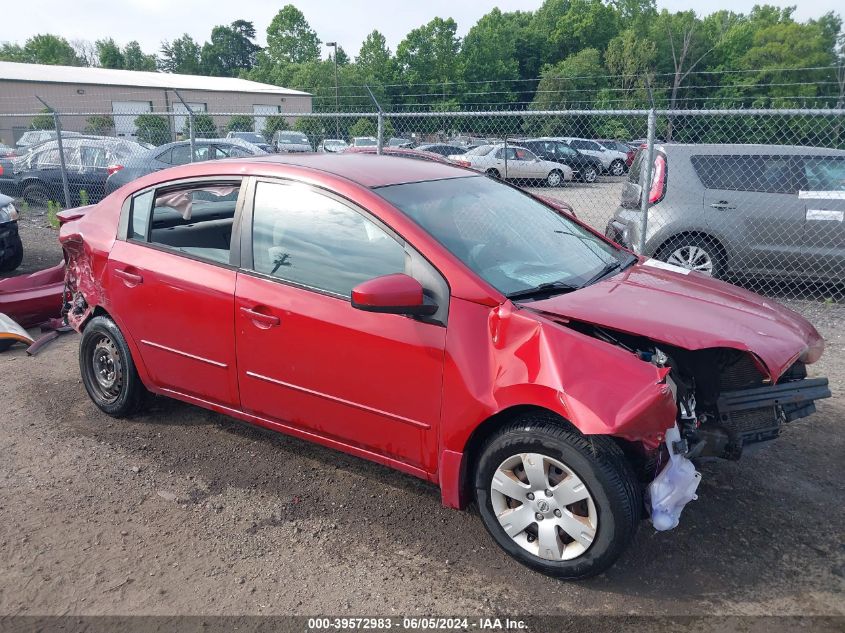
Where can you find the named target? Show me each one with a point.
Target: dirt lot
(182, 511)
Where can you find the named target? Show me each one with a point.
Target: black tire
(682, 245)
(10, 262)
(617, 168)
(601, 467)
(103, 345)
(493, 173)
(589, 174)
(37, 194)
(555, 178)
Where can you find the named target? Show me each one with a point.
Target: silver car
(512, 162)
(289, 142)
(740, 210)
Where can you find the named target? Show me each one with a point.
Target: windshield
(293, 139)
(508, 238)
(252, 137)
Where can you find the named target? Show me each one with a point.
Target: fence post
(191, 128)
(57, 125)
(380, 142)
(646, 180)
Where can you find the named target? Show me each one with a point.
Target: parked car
(289, 142)
(7, 152)
(619, 146)
(177, 153)
(441, 323)
(613, 162)
(8, 180)
(584, 168)
(11, 248)
(364, 141)
(756, 210)
(252, 137)
(34, 137)
(89, 161)
(442, 148)
(332, 146)
(512, 162)
(395, 141)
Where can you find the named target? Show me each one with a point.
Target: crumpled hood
(690, 311)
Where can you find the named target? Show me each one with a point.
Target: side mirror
(392, 294)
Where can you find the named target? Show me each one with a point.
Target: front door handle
(131, 279)
(260, 319)
(722, 204)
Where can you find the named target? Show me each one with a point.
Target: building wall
(20, 97)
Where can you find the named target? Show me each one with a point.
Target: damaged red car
(442, 323)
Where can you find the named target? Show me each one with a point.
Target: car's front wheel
(617, 168)
(694, 252)
(558, 502)
(108, 371)
(555, 178)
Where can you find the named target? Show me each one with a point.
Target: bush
(204, 126)
(100, 125)
(364, 127)
(240, 123)
(44, 121)
(153, 129)
(273, 124)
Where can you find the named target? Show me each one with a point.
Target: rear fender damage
(84, 287)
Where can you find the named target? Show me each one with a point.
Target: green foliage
(273, 124)
(100, 125)
(135, 59)
(290, 39)
(363, 127)
(182, 55)
(109, 53)
(204, 126)
(84, 198)
(153, 129)
(240, 123)
(42, 49)
(428, 57)
(44, 121)
(53, 209)
(230, 50)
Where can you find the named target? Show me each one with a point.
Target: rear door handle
(722, 204)
(261, 319)
(131, 279)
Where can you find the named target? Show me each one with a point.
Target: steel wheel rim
(553, 179)
(106, 369)
(544, 506)
(590, 176)
(692, 258)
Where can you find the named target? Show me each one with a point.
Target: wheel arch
(702, 234)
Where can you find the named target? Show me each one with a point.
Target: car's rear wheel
(558, 502)
(555, 178)
(589, 174)
(108, 371)
(694, 252)
(617, 168)
(37, 194)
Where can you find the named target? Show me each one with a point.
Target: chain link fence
(755, 197)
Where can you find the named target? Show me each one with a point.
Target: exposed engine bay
(725, 404)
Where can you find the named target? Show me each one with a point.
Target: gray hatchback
(728, 210)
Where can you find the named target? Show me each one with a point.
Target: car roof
(368, 170)
(739, 148)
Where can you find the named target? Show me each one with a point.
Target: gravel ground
(183, 511)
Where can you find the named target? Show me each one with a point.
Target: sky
(346, 21)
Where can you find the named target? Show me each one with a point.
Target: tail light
(462, 163)
(658, 180)
(1, 170)
(113, 169)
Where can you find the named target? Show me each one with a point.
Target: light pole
(336, 98)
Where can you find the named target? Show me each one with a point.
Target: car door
(93, 171)
(171, 284)
(753, 200)
(823, 198)
(306, 357)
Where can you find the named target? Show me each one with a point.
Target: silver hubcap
(693, 258)
(554, 179)
(544, 506)
(590, 176)
(108, 371)
(617, 169)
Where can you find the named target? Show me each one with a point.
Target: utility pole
(336, 96)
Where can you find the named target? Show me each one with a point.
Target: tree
(109, 53)
(488, 54)
(241, 123)
(100, 125)
(204, 126)
(44, 121)
(230, 50)
(85, 51)
(363, 127)
(152, 128)
(290, 39)
(375, 61)
(428, 59)
(135, 59)
(273, 124)
(629, 57)
(182, 55)
(585, 24)
(42, 49)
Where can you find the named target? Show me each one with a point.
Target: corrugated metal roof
(108, 77)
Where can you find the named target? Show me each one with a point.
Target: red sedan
(442, 323)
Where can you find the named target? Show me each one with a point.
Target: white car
(332, 146)
(512, 162)
(613, 161)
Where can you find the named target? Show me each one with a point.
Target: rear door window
(824, 173)
(765, 174)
